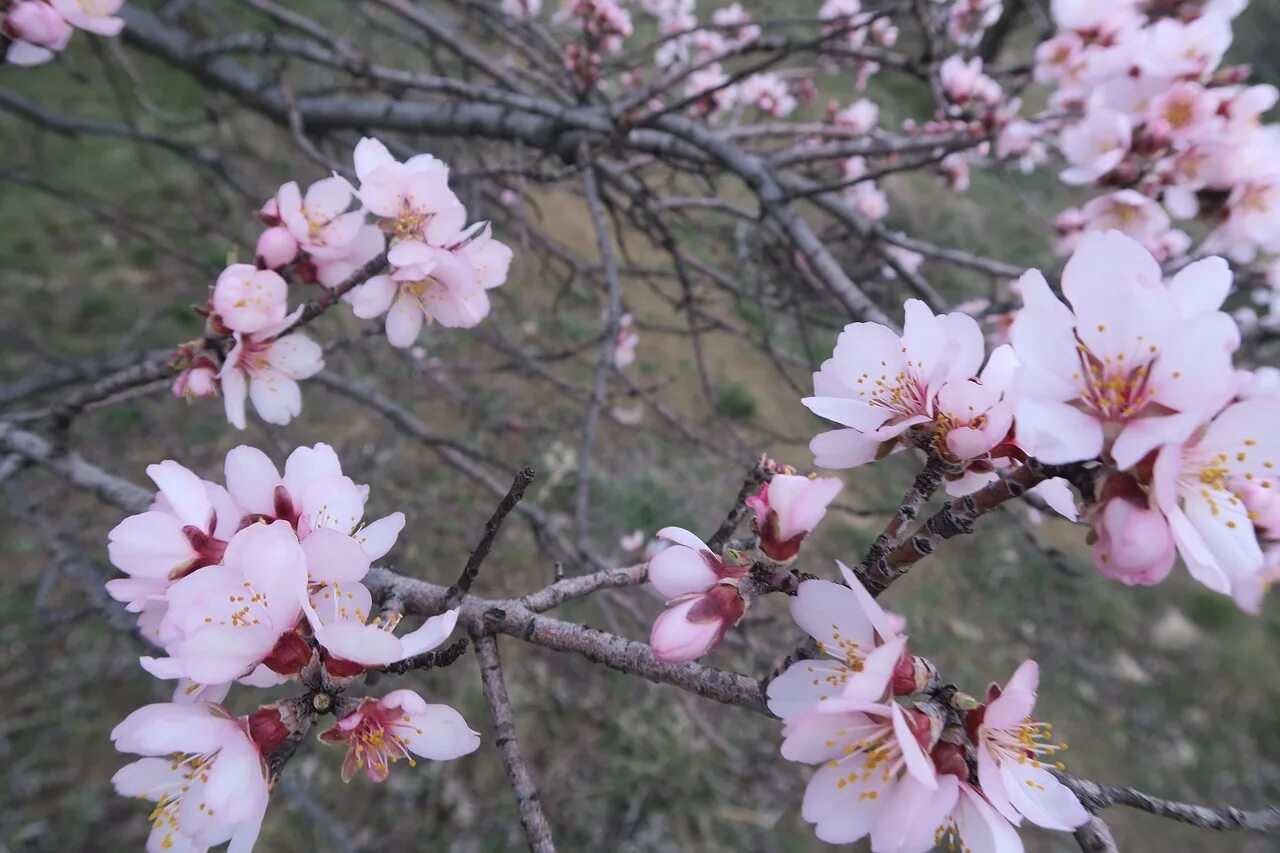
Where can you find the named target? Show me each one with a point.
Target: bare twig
(462, 586)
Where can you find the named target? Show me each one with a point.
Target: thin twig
(462, 586)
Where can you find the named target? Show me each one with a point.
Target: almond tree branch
(532, 819)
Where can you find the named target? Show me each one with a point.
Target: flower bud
(276, 248)
(1135, 545)
(696, 624)
(37, 23)
(787, 509)
(199, 380)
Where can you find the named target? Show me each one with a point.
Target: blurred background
(106, 243)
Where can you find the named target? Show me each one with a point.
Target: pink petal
(440, 734)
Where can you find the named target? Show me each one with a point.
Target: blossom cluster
(38, 29)
(440, 271)
(706, 593)
(1134, 376)
(895, 764)
(1161, 127)
(254, 582)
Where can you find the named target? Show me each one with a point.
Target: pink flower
(93, 16)
(876, 776)
(1182, 111)
(198, 380)
(1056, 58)
(227, 619)
(787, 509)
(399, 725)
(688, 565)
(37, 31)
(624, 352)
(1135, 545)
(1010, 744)
(850, 628)
(202, 769)
(427, 283)
(1132, 365)
(490, 258)
(964, 81)
(1176, 49)
(186, 528)
(880, 385)
(1129, 212)
(696, 623)
(767, 93)
(249, 299)
(276, 248)
(412, 199)
(319, 501)
(320, 221)
(368, 243)
(1198, 486)
(338, 617)
(860, 116)
(1095, 145)
(1085, 15)
(266, 370)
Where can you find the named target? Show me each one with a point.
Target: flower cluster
(895, 764)
(254, 582)
(37, 29)
(1134, 377)
(1160, 126)
(441, 271)
(706, 593)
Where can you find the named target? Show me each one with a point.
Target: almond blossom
(1134, 543)
(37, 31)
(426, 283)
(320, 221)
(276, 248)
(266, 369)
(186, 528)
(702, 594)
(1096, 145)
(411, 199)
(1133, 364)
(248, 299)
(227, 619)
(398, 726)
(876, 776)
(203, 771)
(1199, 486)
(787, 508)
(879, 384)
(848, 626)
(1010, 745)
(339, 618)
(368, 243)
(696, 623)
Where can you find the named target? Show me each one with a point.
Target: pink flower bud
(37, 23)
(696, 624)
(276, 248)
(1135, 545)
(787, 508)
(197, 381)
